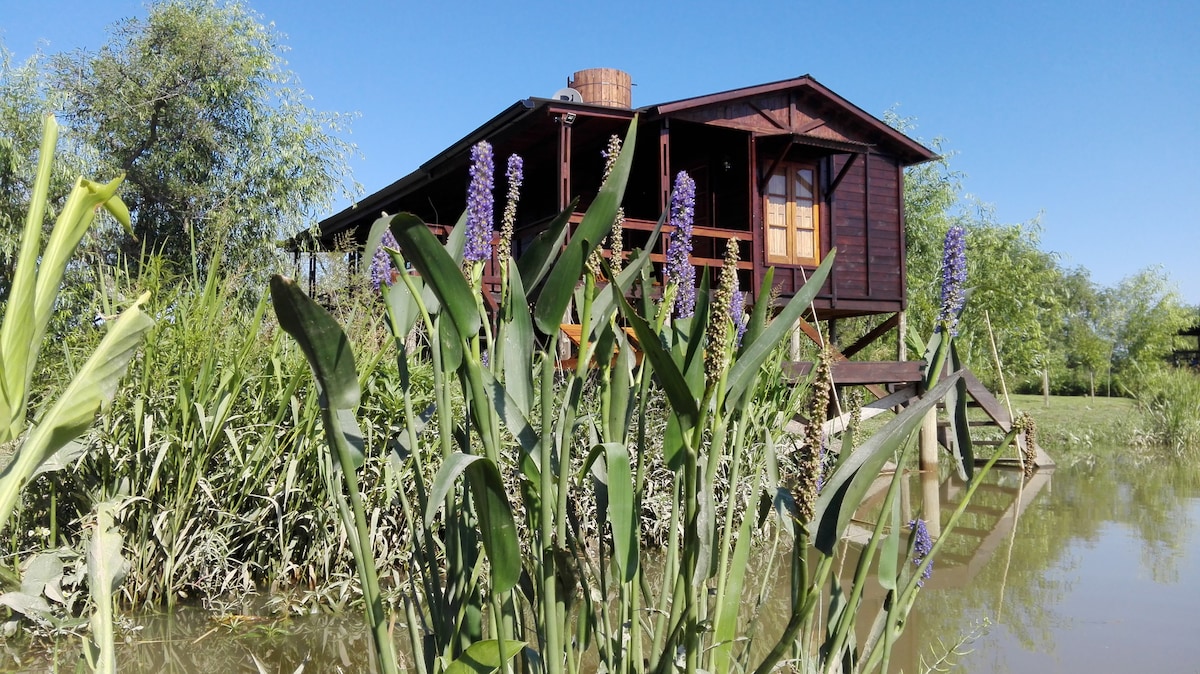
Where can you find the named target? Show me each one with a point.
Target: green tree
(1013, 282)
(1082, 337)
(23, 107)
(1144, 313)
(221, 150)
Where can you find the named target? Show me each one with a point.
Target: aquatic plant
(382, 270)
(954, 279)
(510, 577)
(479, 205)
(515, 175)
(922, 544)
(34, 289)
(680, 274)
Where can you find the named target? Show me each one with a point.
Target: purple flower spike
(479, 205)
(921, 548)
(515, 173)
(679, 269)
(382, 271)
(738, 309)
(954, 279)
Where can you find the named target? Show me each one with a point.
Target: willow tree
(221, 150)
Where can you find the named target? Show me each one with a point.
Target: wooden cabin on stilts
(788, 169)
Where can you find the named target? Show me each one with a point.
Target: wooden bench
(574, 333)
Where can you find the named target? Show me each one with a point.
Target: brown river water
(1092, 568)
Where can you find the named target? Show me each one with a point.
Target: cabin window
(790, 212)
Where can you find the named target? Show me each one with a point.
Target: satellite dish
(569, 95)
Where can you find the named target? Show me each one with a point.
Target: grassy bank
(1071, 423)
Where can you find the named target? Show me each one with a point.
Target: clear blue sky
(1084, 112)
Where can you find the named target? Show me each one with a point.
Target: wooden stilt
(928, 443)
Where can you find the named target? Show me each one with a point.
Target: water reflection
(1100, 576)
(1092, 568)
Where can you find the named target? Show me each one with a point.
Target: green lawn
(1072, 422)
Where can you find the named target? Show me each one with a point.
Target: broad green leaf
(322, 341)
(403, 310)
(622, 389)
(745, 370)
(443, 482)
(758, 316)
(622, 513)
(673, 442)
(539, 257)
(889, 549)
(106, 571)
(38, 275)
(683, 403)
(560, 283)
(960, 427)
(456, 243)
(485, 657)
(514, 418)
(441, 273)
(344, 435)
(725, 630)
(94, 384)
(517, 348)
(72, 223)
(844, 491)
(497, 527)
(18, 348)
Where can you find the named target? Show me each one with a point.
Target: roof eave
(912, 152)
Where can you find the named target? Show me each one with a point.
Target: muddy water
(1093, 568)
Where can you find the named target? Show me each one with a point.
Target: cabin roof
(520, 115)
(907, 149)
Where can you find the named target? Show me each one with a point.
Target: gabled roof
(910, 151)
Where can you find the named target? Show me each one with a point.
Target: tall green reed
(514, 580)
(1169, 401)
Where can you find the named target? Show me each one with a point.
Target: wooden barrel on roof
(604, 86)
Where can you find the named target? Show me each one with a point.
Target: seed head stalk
(515, 175)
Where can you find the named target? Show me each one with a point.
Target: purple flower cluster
(921, 547)
(515, 175)
(382, 271)
(954, 279)
(679, 269)
(479, 204)
(737, 308)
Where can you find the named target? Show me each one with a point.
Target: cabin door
(790, 212)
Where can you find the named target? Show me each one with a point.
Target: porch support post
(928, 442)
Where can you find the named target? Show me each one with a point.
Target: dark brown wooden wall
(870, 262)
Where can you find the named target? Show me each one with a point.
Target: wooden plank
(987, 401)
(871, 409)
(852, 372)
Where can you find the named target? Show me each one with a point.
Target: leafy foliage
(220, 148)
